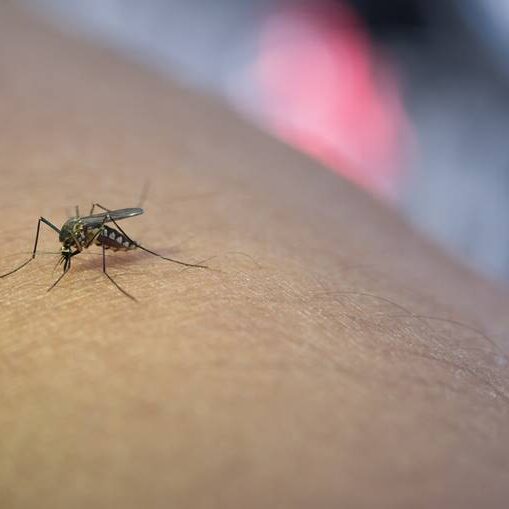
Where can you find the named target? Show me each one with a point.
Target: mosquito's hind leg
(34, 252)
(138, 245)
(112, 280)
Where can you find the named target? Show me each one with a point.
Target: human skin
(329, 357)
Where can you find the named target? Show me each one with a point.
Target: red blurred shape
(326, 93)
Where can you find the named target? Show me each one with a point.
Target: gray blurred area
(455, 83)
(198, 41)
(458, 186)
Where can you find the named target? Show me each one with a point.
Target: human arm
(329, 357)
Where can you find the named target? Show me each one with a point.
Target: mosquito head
(66, 251)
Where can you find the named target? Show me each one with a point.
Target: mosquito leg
(157, 254)
(34, 252)
(94, 205)
(112, 280)
(185, 264)
(101, 207)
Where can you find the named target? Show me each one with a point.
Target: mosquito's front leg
(34, 252)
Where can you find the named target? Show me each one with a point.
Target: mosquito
(80, 232)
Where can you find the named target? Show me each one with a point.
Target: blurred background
(409, 99)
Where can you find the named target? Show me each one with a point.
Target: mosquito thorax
(66, 231)
(71, 231)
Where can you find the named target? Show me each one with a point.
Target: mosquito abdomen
(112, 239)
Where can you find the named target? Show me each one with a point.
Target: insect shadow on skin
(80, 232)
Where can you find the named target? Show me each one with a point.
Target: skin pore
(329, 356)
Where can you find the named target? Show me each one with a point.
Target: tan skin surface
(329, 358)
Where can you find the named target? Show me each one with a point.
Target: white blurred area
(408, 99)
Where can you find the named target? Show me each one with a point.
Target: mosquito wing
(113, 215)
